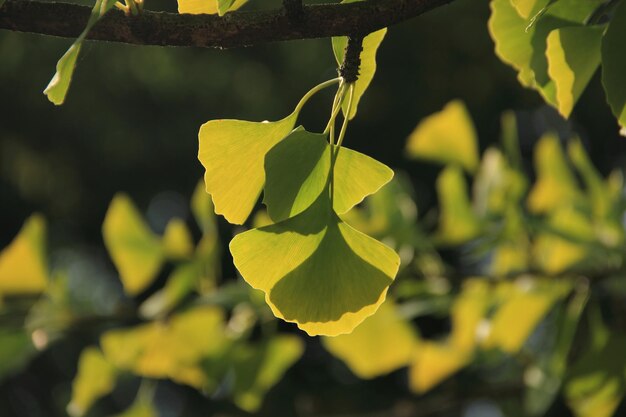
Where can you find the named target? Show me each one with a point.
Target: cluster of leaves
(557, 45)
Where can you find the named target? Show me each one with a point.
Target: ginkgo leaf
(179, 284)
(614, 65)
(209, 6)
(446, 137)
(457, 221)
(177, 240)
(573, 55)
(202, 209)
(259, 368)
(529, 8)
(434, 362)
(467, 313)
(95, 378)
(526, 303)
(316, 270)
(556, 185)
(524, 47)
(23, 266)
(136, 252)
(233, 153)
(297, 173)
(60, 83)
(367, 69)
(596, 383)
(383, 343)
(172, 349)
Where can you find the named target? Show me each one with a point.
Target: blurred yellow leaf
(140, 408)
(467, 312)
(136, 251)
(202, 208)
(170, 349)
(179, 284)
(95, 378)
(556, 185)
(258, 368)
(206, 6)
(457, 221)
(446, 137)
(177, 240)
(433, 363)
(383, 343)
(23, 267)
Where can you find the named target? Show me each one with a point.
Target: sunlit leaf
(446, 137)
(259, 368)
(95, 379)
(573, 55)
(177, 240)
(525, 303)
(297, 173)
(433, 363)
(136, 251)
(467, 313)
(60, 83)
(529, 8)
(596, 383)
(209, 6)
(316, 270)
(383, 343)
(179, 284)
(457, 221)
(556, 185)
(233, 153)
(172, 349)
(367, 69)
(614, 65)
(23, 266)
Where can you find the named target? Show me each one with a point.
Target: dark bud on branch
(349, 69)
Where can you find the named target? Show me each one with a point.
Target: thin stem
(337, 101)
(346, 119)
(314, 90)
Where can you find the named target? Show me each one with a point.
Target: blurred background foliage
(188, 338)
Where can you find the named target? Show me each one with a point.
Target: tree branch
(210, 31)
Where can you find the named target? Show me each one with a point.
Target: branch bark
(209, 31)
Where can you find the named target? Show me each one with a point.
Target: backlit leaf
(316, 270)
(209, 6)
(467, 312)
(259, 368)
(457, 221)
(614, 65)
(23, 266)
(179, 284)
(367, 69)
(446, 137)
(136, 251)
(177, 240)
(529, 8)
(297, 173)
(95, 379)
(573, 55)
(383, 343)
(556, 185)
(233, 153)
(60, 83)
(433, 363)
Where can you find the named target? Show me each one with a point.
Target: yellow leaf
(205, 6)
(23, 268)
(136, 251)
(95, 378)
(177, 241)
(383, 343)
(433, 363)
(467, 313)
(446, 137)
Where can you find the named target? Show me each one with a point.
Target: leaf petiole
(314, 90)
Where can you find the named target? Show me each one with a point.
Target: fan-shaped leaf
(136, 251)
(23, 266)
(316, 270)
(177, 241)
(433, 363)
(95, 379)
(220, 7)
(297, 173)
(614, 65)
(233, 152)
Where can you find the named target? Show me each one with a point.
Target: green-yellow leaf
(433, 363)
(202, 209)
(60, 83)
(136, 252)
(446, 137)
(457, 221)
(209, 6)
(383, 343)
(23, 266)
(529, 8)
(140, 408)
(573, 55)
(316, 270)
(233, 152)
(179, 284)
(95, 379)
(177, 240)
(297, 173)
(367, 68)
(556, 185)
(16, 348)
(259, 368)
(614, 65)
(467, 312)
